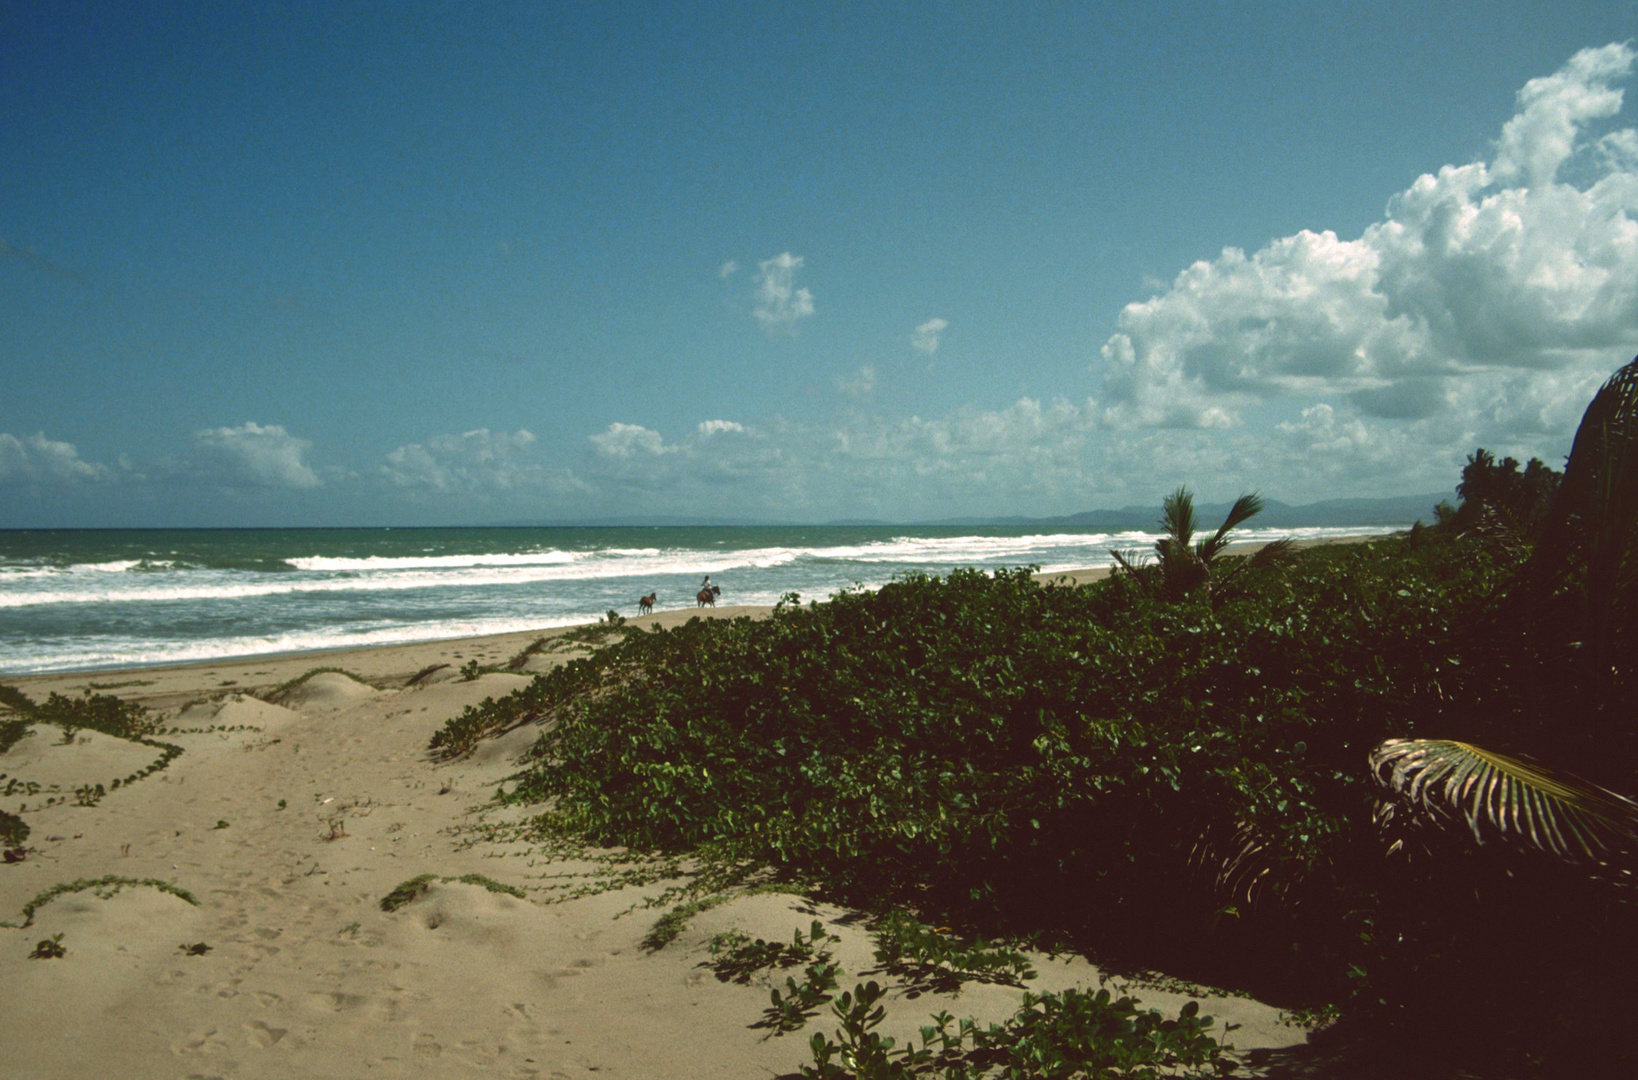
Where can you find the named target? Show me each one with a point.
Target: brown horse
(708, 597)
(645, 604)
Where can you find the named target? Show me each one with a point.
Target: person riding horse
(708, 593)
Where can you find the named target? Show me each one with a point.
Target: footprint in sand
(426, 1046)
(200, 1042)
(260, 1034)
(336, 1002)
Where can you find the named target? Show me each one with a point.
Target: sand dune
(287, 824)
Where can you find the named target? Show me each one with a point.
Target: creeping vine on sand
(103, 888)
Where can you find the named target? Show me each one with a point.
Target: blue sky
(460, 263)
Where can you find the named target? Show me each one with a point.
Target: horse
(645, 604)
(708, 597)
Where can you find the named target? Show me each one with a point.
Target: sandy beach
(286, 824)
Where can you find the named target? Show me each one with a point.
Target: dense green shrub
(1029, 758)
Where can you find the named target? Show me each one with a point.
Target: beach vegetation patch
(102, 713)
(13, 830)
(409, 891)
(1190, 765)
(12, 732)
(416, 679)
(103, 888)
(285, 692)
(928, 958)
(50, 948)
(736, 958)
(1076, 1033)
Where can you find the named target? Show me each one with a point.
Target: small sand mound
(469, 915)
(505, 750)
(92, 758)
(253, 712)
(330, 690)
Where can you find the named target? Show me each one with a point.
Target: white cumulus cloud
(35, 459)
(708, 428)
(780, 305)
(266, 457)
(926, 336)
(727, 269)
(630, 441)
(1516, 278)
(477, 463)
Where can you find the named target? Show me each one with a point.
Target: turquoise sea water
(117, 598)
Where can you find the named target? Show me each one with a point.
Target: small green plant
(424, 672)
(470, 671)
(281, 804)
(11, 732)
(930, 958)
(1073, 1034)
(87, 795)
(801, 1000)
(350, 930)
(220, 824)
(736, 958)
(198, 948)
(538, 645)
(13, 830)
(50, 948)
(409, 891)
(1311, 1017)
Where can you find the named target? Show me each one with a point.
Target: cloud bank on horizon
(1495, 293)
(1483, 308)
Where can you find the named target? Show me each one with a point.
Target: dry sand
(290, 823)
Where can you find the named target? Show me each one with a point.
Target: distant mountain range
(1329, 513)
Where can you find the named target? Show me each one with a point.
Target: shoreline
(403, 659)
(221, 909)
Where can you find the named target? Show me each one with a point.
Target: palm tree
(1180, 569)
(1580, 584)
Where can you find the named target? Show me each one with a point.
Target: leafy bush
(13, 830)
(990, 751)
(11, 731)
(736, 957)
(1073, 1034)
(929, 957)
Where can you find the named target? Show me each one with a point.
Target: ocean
(105, 598)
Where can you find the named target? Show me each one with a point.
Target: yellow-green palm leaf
(1502, 797)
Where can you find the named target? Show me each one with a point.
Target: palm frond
(1273, 553)
(1177, 519)
(1133, 564)
(1503, 798)
(1244, 509)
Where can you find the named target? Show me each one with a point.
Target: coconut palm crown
(1182, 567)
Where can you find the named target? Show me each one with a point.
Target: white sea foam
(371, 563)
(156, 612)
(368, 575)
